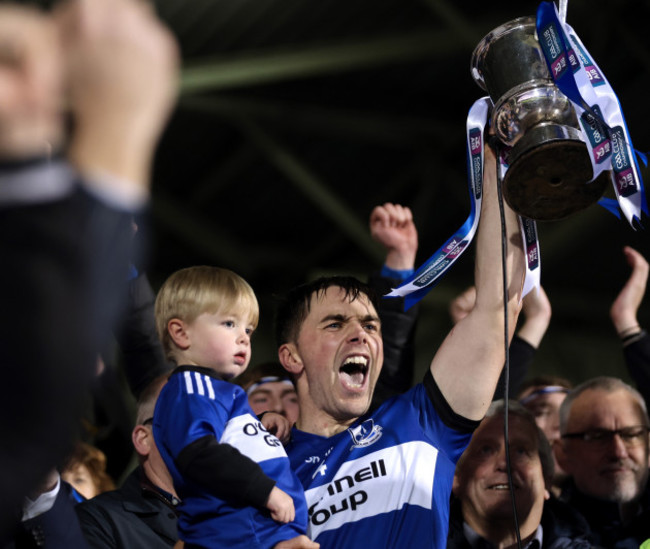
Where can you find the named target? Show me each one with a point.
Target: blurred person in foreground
(66, 217)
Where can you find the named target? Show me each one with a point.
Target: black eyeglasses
(147, 421)
(631, 436)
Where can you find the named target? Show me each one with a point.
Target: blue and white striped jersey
(385, 481)
(196, 405)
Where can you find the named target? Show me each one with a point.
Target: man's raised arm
(467, 365)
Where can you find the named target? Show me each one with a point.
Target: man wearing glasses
(604, 448)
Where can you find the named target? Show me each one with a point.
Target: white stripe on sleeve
(199, 383)
(188, 383)
(208, 384)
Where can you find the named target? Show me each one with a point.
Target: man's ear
(142, 439)
(177, 330)
(290, 358)
(560, 455)
(455, 486)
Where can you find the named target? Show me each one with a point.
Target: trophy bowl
(549, 170)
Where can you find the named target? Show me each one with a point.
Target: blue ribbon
(562, 64)
(430, 273)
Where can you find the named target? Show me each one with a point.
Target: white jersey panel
(248, 435)
(380, 482)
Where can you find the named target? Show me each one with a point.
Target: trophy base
(551, 181)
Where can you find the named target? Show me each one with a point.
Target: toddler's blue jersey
(385, 481)
(194, 404)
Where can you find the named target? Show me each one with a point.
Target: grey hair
(601, 383)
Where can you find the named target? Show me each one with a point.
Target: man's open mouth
(353, 371)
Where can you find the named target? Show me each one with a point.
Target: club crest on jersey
(365, 434)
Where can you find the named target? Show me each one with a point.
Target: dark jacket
(637, 358)
(69, 259)
(604, 519)
(57, 528)
(562, 527)
(398, 334)
(136, 516)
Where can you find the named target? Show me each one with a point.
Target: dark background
(297, 117)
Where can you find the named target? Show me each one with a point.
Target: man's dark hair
(294, 307)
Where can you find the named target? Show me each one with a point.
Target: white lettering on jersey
(377, 483)
(248, 435)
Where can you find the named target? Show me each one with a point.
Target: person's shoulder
(130, 490)
(564, 526)
(36, 181)
(106, 500)
(198, 381)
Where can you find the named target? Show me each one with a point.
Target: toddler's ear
(290, 358)
(177, 330)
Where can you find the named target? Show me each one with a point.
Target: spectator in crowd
(143, 511)
(543, 396)
(482, 513)
(392, 226)
(623, 313)
(384, 479)
(270, 389)
(604, 448)
(66, 224)
(85, 471)
(232, 475)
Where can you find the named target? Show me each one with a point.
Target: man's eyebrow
(371, 318)
(343, 318)
(338, 317)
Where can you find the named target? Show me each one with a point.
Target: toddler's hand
(281, 506)
(299, 542)
(277, 425)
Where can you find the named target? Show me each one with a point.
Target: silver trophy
(549, 167)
